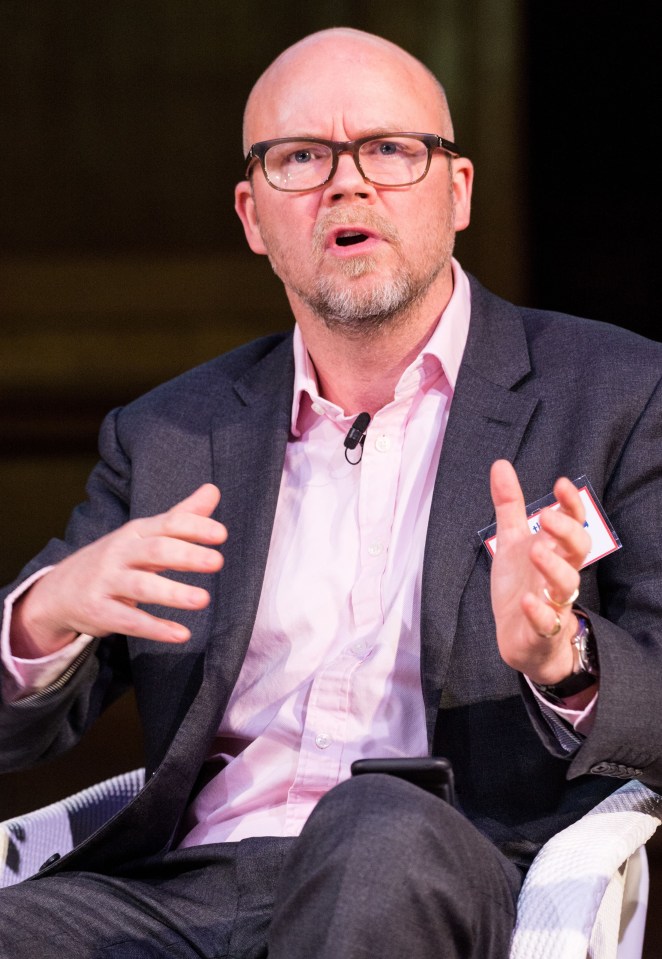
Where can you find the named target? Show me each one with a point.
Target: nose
(348, 181)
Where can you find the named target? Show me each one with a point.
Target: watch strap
(575, 683)
(587, 672)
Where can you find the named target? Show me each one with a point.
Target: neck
(361, 373)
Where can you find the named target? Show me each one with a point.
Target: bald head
(344, 54)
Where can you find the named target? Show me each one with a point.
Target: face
(354, 255)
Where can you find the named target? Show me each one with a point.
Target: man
(357, 612)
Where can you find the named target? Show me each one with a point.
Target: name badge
(604, 539)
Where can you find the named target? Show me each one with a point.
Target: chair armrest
(27, 841)
(562, 892)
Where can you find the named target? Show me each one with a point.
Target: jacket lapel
(494, 399)
(248, 447)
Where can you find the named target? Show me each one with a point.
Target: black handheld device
(433, 773)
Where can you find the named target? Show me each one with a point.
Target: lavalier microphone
(356, 436)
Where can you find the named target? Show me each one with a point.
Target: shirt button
(359, 649)
(382, 444)
(322, 740)
(316, 408)
(375, 549)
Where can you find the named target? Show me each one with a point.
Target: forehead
(344, 89)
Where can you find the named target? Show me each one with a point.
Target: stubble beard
(364, 309)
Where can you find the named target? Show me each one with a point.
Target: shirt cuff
(23, 677)
(581, 720)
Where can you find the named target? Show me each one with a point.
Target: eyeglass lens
(388, 161)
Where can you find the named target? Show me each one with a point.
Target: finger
(150, 588)
(202, 501)
(549, 639)
(560, 577)
(542, 617)
(508, 499)
(107, 615)
(132, 621)
(545, 620)
(191, 527)
(568, 535)
(569, 499)
(158, 553)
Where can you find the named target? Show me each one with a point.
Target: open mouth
(351, 238)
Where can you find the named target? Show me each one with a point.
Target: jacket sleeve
(45, 724)
(624, 604)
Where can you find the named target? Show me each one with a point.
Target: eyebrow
(372, 131)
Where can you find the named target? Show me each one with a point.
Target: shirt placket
(324, 736)
(380, 470)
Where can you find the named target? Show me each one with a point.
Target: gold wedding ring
(555, 631)
(568, 602)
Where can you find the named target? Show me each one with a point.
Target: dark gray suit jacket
(555, 395)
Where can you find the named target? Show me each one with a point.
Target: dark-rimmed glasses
(294, 164)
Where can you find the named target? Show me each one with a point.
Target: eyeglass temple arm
(448, 146)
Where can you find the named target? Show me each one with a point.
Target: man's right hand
(97, 589)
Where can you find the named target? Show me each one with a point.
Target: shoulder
(187, 405)
(217, 374)
(560, 344)
(212, 383)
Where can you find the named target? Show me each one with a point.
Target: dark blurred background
(122, 262)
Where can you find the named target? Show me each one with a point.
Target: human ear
(462, 183)
(244, 204)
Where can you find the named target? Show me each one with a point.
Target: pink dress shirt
(335, 650)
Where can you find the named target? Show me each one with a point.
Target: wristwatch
(586, 671)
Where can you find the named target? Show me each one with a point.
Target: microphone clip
(356, 437)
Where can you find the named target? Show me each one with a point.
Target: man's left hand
(534, 630)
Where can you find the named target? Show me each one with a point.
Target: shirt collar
(445, 346)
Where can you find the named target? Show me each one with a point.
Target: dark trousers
(381, 870)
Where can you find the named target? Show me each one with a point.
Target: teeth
(349, 237)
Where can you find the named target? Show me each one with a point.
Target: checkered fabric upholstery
(586, 894)
(27, 841)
